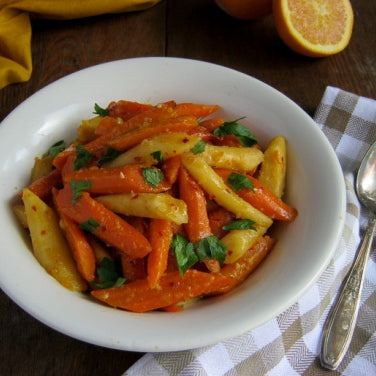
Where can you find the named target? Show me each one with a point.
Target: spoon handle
(339, 327)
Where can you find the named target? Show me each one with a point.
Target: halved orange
(246, 9)
(314, 28)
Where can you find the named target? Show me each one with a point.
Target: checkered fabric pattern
(290, 343)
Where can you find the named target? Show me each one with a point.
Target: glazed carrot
(42, 187)
(133, 269)
(103, 223)
(61, 158)
(135, 136)
(243, 267)
(160, 237)
(100, 144)
(219, 218)
(107, 125)
(81, 249)
(170, 168)
(212, 123)
(195, 109)
(263, 199)
(126, 109)
(173, 288)
(201, 132)
(68, 166)
(123, 179)
(198, 226)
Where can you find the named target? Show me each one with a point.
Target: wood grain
(194, 29)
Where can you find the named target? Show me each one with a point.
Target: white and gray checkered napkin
(290, 343)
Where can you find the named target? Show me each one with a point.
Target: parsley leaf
(184, 253)
(199, 147)
(158, 156)
(152, 176)
(244, 135)
(83, 157)
(90, 225)
(78, 186)
(238, 181)
(98, 110)
(108, 275)
(110, 155)
(240, 224)
(211, 248)
(56, 148)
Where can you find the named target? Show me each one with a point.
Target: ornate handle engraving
(341, 322)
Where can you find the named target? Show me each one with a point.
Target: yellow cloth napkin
(15, 27)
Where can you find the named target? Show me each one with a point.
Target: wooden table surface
(194, 29)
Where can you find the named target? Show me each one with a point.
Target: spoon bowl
(339, 327)
(366, 179)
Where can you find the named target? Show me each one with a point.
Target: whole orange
(246, 9)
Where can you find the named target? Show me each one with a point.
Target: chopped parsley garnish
(238, 181)
(110, 155)
(98, 110)
(211, 248)
(77, 187)
(108, 275)
(240, 224)
(184, 253)
(90, 225)
(83, 157)
(152, 176)
(56, 148)
(244, 135)
(158, 156)
(199, 147)
(187, 253)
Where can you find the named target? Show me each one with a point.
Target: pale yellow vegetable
(241, 159)
(49, 245)
(170, 144)
(100, 250)
(214, 185)
(239, 241)
(42, 166)
(273, 169)
(86, 130)
(149, 205)
(19, 212)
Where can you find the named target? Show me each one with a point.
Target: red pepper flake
(43, 232)
(185, 140)
(34, 208)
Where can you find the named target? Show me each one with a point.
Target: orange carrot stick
(219, 218)
(212, 123)
(126, 109)
(243, 267)
(170, 168)
(195, 109)
(107, 125)
(100, 144)
(160, 237)
(198, 226)
(105, 224)
(42, 187)
(81, 249)
(133, 269)
(173, 288)
(263, 199)
(124, 179)
(135, 136)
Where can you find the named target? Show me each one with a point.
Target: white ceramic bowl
(314, 186)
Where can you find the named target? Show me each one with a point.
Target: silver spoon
(339, 327)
